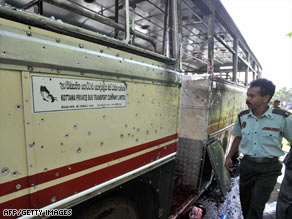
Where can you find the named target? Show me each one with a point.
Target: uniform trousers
(257, 181)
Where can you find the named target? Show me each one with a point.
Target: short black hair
(277, 101)
(267, 87)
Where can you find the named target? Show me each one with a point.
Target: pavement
(216, 206)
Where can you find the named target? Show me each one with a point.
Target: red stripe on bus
(63, 190)
(10, 187)
(22, 202)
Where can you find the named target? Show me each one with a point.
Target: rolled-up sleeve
(236, 131)
(287, 132)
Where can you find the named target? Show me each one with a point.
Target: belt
(261, 159)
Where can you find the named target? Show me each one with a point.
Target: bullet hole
(53, 199)
(4, 171)
(32, 144)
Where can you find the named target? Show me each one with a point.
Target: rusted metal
(69, 5)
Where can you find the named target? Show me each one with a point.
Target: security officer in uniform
(276, 104)
(258, 135)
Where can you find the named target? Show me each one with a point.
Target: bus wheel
(111, 208)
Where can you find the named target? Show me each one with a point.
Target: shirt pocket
(245, 138)
(270, 138)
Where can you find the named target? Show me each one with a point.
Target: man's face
(276, 104)
(254, 100)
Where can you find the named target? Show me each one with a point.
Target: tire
(111, 208)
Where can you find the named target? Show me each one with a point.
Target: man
(258, 133)
(276, 104)
(284, 203)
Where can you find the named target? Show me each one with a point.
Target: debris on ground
(216, 205)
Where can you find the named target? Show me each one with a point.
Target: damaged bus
(116, 108)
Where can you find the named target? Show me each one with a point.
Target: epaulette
(244, 112)
(281, 112)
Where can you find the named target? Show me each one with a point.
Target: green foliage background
(283, 94)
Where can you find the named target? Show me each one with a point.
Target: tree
(290, 35)
(284, 95)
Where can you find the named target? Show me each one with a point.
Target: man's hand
(233, 150)
(229, 163)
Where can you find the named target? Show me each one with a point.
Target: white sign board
(63, 94)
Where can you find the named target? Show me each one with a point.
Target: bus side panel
(13, 161)
(72, 138)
